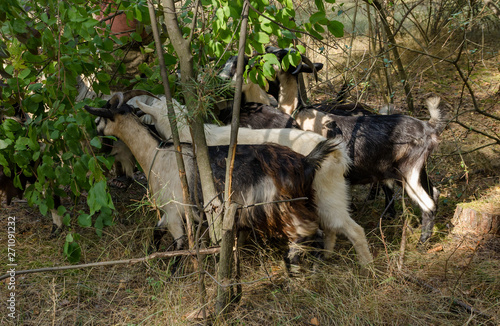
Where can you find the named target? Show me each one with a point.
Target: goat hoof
(122, 182)
(424, 238)
(368, 270)
(55, 232)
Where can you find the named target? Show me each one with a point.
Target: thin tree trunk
(173, 122)
(395, 52)
(228, 236)
(183, 49)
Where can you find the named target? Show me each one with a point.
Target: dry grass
(334, 292)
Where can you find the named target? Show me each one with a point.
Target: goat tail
(323, 150)
(436, 120)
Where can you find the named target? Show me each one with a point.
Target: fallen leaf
(196, 315)
(435, 249)
(314, 321)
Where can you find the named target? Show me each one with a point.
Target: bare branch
(156, 255)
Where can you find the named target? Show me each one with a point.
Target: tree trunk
(476, 219)
(212, 204)
(224, 293)
(394, 49)
(173, 123)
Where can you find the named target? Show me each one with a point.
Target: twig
(383, 240)
(402, 248)
(212, 250)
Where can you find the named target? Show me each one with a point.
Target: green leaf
(85, 220)
(66, 219)
(72, 251)
(260, 37)
(36, 98)
(319, 17)
(336, 28)
(108, 162)
(136, 37)
(268, 70)
(96, 142)
(319, 28)
(289, 35)
(11, 125)
(98, 197)
(169, 59)
(138, 14)
(4, 143)
(320, 5)
(103, 77)
(43, 208)
(21, 143)
(107, 57)
(25, 73)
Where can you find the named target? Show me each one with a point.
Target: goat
(336, 106)
(263, 173)
(262, 116)
(329, 183)
(382, 147)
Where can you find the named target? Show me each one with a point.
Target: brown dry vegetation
(432, 280)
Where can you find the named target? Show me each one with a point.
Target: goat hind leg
(425, 198)
(356, 234)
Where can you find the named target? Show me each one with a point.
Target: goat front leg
(174, 225)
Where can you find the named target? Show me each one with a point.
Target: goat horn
(310, 64)
(121, 98)
(133, 93)
(116, 100)
(100, 112)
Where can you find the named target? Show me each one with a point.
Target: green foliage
(46, 46)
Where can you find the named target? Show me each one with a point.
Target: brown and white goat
(329, 183)
(266, 173)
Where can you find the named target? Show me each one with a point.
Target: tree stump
(476, 219)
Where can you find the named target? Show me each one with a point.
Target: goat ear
(306, 69)
(100, 112)
(148, 109)
(128, 95)
(279, 53)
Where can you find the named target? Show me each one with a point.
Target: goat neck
(253, 93)
(288, 99)
(136, 136)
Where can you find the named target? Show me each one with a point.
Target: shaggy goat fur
(263, 173)
(329, 183)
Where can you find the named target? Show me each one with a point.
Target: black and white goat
(382, 147)
(266, 173)
(257, 114)
(329, 184)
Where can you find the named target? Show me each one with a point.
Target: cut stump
(476, 219)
